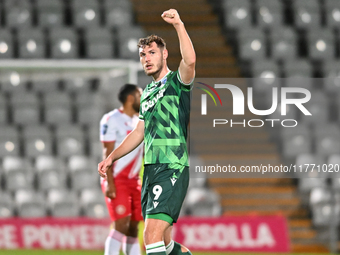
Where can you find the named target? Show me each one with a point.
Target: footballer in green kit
(164, 116)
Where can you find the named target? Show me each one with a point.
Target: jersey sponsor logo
(150, 103)
(155, 203)
(104, 129)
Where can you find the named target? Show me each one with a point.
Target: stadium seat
(9, 141)
(85, 13)
(269, 13)
(318, 106)
(296, 141)
(64, 43)
(331, 74)
(24, 115)
(50, 13)
(203, 203)
(100, 43)
(96, 147)
(128, 39)
(37, 141)
(63, 203)
(283, 43)
(77, 84)
(307, 162)
(83, 179)
(51, 179)
(252, 44)
(81, 163)
(30, 204)
(6, 44)
(18, 179)
(306, 14)
(327, 139)
(332, 9)
(31, 43)
(47, 82)
(89, 115)
(93, 203)
(237, 14)
(24, 99)
(322, 214)
(58, 115)
(297, 68)
(118, 13)
(93, 99)
(15, 163)
(49, 163)
(57, 99)
(321, 44)
(18, 14)
(70, 140)
(6, 205)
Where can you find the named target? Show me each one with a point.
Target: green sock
(174, 248)
(156, 248)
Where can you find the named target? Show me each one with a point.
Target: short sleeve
(185, 86)
(108, 129)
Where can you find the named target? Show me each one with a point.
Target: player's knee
(133, 230)
(122, 225)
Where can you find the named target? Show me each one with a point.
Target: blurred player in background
(122, 187)
(164, 117)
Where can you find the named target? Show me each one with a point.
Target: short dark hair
(150, 39)
(125, 90)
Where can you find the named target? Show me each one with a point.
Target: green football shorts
(163, 191)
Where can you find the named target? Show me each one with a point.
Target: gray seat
(30, 204)
(306, 171)
(318, 106)
(63, 203)
(49, 163)
(322, 214)
(332, 76)
(128, 39)
(31, 43)
(57, 99)
(77, 84)
(70, 141)
(89, 115)
(9, 141)
(306, 14)
(252, 44)
(298, 68)
(81, 163)
(18, 14)
(237, 14)
(64, 43)
(24, 115)
(3, 110)
(296, 141)
(269, 13)
(24, 99)
(58, 115)
(99, 43)
(6, 205)
(50, 13)
(13, 82)
(6, 44)
(85, 13)
(84, 179)
(118, 13)
(93, 203)
(332, 9)
(51, 179)
(37, 141)
(327, 139)
(18, 179)
(321, 44)
(283, 43)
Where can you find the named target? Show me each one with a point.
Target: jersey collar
(161, 81)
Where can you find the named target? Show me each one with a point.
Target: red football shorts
(127, 201)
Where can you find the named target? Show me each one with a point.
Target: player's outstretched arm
(130, 142)
(187, 65)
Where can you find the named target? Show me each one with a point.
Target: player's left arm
(187, 64)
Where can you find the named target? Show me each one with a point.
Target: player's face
(136, 103)
(151, 58)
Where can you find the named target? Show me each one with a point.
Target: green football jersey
(165, 108)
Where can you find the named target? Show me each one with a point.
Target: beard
(159, 67)
(136, 106)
